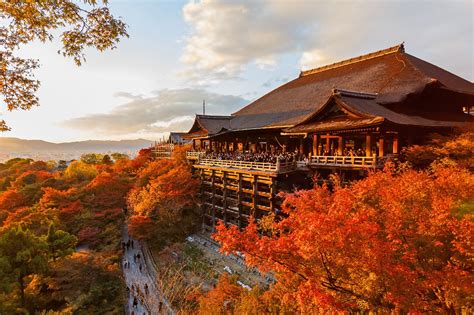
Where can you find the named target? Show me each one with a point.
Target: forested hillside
(60, 234)
(398, 240)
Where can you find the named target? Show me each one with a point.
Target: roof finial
(402, 47)
(204, 107)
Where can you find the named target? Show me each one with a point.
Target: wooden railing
(162, 150)
(279, 167)
(159, 154)
(345, 161)
(193, 155)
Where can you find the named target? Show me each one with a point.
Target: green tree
(60, 242)
(81, 26)
(119, 156)
(62, 165)
(80, 171)
(24, 254)
(92, 158)
(107, 160)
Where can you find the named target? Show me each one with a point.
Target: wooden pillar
(272, 194)
(301, 148)
(239, 201)
(368, 151)
(213, 210)
(381, 145)
(395, 145)
(328, 143)
(340, 144)
(201, 190)
(224, 196)
(315, 144)
(255, 195)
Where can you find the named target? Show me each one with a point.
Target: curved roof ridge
(383, 52)
(358, 94)
(212, 116)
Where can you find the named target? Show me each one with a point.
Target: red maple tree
(393, 241)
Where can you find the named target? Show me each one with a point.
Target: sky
(228, 53)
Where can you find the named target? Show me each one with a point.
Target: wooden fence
(279, 167)
(346, 161)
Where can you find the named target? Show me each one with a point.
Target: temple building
(345, 118)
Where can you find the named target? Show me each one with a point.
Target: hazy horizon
(72, 141)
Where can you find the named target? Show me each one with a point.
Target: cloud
(168, 110)
(128, 95)
(274, 82)
(311, 59)
(227, 36)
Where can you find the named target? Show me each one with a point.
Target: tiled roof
(389, 76)
(392, 74)
(205, 125)
(366, 112)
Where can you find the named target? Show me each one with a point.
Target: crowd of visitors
(139, 286)
(266, 157)
(269, 157)
(137, 291)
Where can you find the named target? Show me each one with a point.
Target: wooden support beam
(254, 197)
(328, 143)
(273, 190)
(395, 145)
(340, 145)
(201, 191)
(239, 200)
(315, 144)
(326, 136)
(368, 145)
(213, 210)
(381, 146)
(224, 182)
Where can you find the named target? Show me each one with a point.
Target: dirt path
(138, 276)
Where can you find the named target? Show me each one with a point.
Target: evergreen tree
(24, 254)
(60, 243)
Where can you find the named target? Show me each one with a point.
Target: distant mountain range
(39, 149)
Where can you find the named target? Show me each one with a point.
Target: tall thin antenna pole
(204, 107)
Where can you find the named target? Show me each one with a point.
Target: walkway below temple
(136, 281)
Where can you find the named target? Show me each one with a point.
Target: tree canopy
(396, 240)
(81, 24)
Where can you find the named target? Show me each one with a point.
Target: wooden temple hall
(345, 117)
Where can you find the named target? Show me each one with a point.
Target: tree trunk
(22, 291)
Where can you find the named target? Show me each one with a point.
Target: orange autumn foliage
(141, 227)
(108, 190)
(446, 149)
(222, 298)
(164, 187)
(390, 242)
(31, 177)
(10, 200)
(162, 202)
